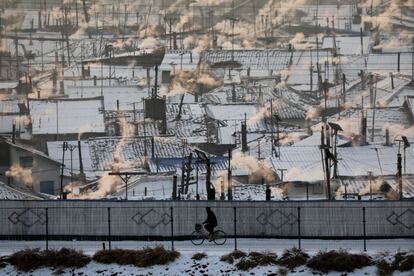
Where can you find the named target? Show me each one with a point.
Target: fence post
(364, 229)
(235, 227)
(172, 227)
(47, 229)
(299, 234)
(109, 229)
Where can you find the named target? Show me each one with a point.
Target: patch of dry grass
(342, 261)
(147, 256)
(30, 259)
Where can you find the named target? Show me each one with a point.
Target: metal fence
(169, 221)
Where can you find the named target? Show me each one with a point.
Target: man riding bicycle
(210, 223)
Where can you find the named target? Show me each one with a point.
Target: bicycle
(200, 234)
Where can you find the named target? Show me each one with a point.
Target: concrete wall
(42, 170)
(134, 219)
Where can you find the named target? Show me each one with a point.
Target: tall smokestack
(244, 137)
(81, 171)
(399, 175)
(229, 179)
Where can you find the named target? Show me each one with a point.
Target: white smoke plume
(20, 174)
(257, 169)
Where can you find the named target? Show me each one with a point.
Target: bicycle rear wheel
(220, 237)
(197, 237)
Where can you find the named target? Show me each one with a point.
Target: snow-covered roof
(260, 62)
(348, 45)
(227, 112)
(305, 164)
(8, 85)
(126, 95)
(14, 193)
(131, 150)
(67, 116)
(180, 59)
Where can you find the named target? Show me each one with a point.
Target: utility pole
(64, 149)
(229, 179)
(125, 176)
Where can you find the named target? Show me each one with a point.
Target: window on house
(26, 161)
(47, 187)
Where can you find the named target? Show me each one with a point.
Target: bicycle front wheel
(220, 237)
(197, 237)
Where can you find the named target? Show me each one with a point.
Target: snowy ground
(211, 265)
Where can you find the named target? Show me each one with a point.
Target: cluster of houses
(324, 113)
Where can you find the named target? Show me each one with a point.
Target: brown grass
(234, 255)
(384, 268)
(293, 257)
(30, 259)
(198, 256)
(403, 261)
(342, 261)
(255, 259)
(148, 256)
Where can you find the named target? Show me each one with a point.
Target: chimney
(399, 175)
(61, 87)
(398, 61)
(233, 92)
(244, 137)
(174, 190)
(229, 179)
(387, 137)
(152, 147)
(156, 82)
(363, 129)
(14, 133)
(309, 126)
(175, 41)
(191, 57)
(81, 171)
(392, 80)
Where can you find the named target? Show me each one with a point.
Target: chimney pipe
(81, 171)
(399, 175)
(229, 179)
(363, 129)
(399, 58)
(244, 137)
(152, 147)
(233, 92)
(392, 80)
(156, 82)
(387, 137)
(61, 87)
(14, 133)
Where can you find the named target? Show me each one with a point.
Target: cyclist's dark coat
(211, 221)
